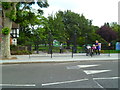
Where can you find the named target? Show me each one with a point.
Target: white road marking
(19, 85)
(106, 78)
(10, 65)
(54, 83)
(85, 66)
(73, 67)
(95, 71)
(81, 66)
(98, 84)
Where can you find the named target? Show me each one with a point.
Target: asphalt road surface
(88, 74)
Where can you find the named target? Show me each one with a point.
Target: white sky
(100, 11)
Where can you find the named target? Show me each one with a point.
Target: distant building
(14, 33)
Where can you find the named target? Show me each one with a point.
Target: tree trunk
(6, 38)
(68, 44)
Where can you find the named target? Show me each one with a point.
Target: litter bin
(117, 45)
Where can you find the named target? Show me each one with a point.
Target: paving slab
(65, 57)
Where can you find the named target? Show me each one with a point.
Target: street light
(74, 48)
(86, 36)
(37, 42)
(75, 44)
(50, 43)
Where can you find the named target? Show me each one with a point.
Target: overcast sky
(100, 11)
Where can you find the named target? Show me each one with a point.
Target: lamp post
(75, 44)
(50, 43)
(86, 36)
(74, 48)
(37, 43)
(109, 47)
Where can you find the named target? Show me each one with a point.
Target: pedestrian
(61, 47)
(94, 48)
(97, 47)
(109, 47)
(88, 48)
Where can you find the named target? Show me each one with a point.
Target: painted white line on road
(85, 66)
(95, 71)
(73, 67)
(106, 78)
(19, 85)
(10, 65)
(54, 83)
(98, 84)
(81, 66)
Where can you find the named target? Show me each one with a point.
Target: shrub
(13, 47)
(23, 52)
(5, 31)
(102, 51)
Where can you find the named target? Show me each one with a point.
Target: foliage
(13, 47)
(64, 24)
(28, 19)
(5, 31)
(9, 10)
(109, 51)
(6, 5)
(16, 51)
(11, 15)
(30, 35)
(107, 33)
(92, 37)
(21, 52)
(116, 28)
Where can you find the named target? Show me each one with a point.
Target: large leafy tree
(75, 23)
(107, 33)
(116, 28)
(10, 14)
(56, 27)
(65, 24)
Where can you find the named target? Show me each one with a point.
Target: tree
(107, 33)
(9, 14)
(64, 25)
(56, 26)
(75, 23)
(116, 28)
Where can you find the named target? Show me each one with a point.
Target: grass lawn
(110, 51)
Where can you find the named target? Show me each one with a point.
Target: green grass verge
(110, 51)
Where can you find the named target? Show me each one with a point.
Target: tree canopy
(19, 12)
(107, 33)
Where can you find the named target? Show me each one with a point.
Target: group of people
(95, 48)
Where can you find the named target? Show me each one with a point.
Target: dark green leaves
(6, 5)
(5, 31)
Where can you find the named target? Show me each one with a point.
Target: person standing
(61, 48)
(97, 47)
(109, 47)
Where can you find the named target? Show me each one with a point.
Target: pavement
(58, 58)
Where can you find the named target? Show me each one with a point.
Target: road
(88, 74)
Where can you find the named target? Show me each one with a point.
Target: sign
(56, 43)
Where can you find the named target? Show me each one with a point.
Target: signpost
(56, 43)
